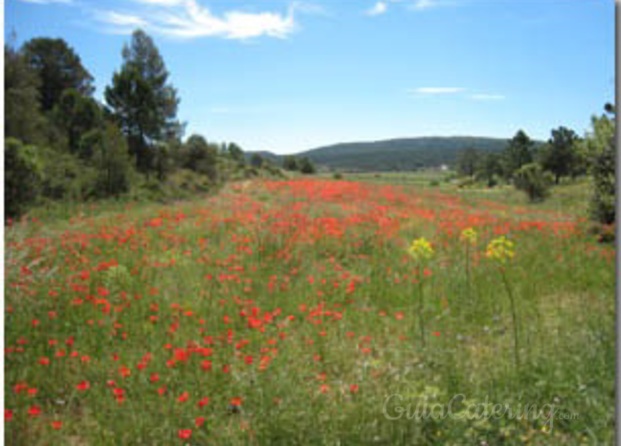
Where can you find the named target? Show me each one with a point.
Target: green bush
(113, 164)
(602, 206)
(65, 177)
(531, 179)
(23, 174)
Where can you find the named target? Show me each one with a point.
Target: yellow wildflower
(500, 249)
(469, 235)
(421, 249)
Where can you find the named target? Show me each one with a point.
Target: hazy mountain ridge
(394, 154)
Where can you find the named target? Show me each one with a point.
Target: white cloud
(47, 2)
(161, 2)
(188, 19)
(117, 19)
(377, 9)
(437, 90)
(487, 97)
(423, 4)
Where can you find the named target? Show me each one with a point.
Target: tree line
(534, 168)
(63, 144)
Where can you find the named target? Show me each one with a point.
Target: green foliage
(22, 176)
(113, 163)
(59, 68)
(256, 160)
(600, 150)
(399, 154)
(22, 119)
(236, 153)
(489, 168)
(306, 166)
(290, 162)
(559, 154)
(144, 104)
(467, 161)
(65, 177)
(76, 115)
(532, 179)
(200, 157)
(519, 152)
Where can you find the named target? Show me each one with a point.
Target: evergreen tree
(559, 156)
(144, 103)
(519, 152)
(58, 67)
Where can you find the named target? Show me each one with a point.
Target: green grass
(299, 298)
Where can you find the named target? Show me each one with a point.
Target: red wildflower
(34, 411)
(82, 386)
(185, 434)
(199, 421)
(8, 415)
(56, 425)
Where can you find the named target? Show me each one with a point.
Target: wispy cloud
(459, 91)
(377, 9)
(121, 20)
(161, 2)
(487, 97)
(423, 4)
(437, 90)
(47, 2)
(188, 19)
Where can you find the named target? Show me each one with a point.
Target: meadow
(312, 311)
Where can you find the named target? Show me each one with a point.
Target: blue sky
(287, 76)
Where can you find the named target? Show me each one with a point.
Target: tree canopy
(142, 100)
(58, 68)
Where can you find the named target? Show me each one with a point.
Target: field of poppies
(310, 311)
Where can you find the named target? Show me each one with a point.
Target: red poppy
(56, 425)
(34, 411)
(185, 434)
(82, 386)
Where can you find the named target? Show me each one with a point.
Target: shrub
(23, 175)
(602, 206)
(531, 178)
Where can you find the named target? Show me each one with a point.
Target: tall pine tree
(142, 100)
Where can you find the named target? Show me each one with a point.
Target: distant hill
(399, 154)
(393, 154)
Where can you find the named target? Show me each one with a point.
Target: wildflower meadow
(310, 311)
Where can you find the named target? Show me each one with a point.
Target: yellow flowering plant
(421, 251)
(501, 250)
(469, 235)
